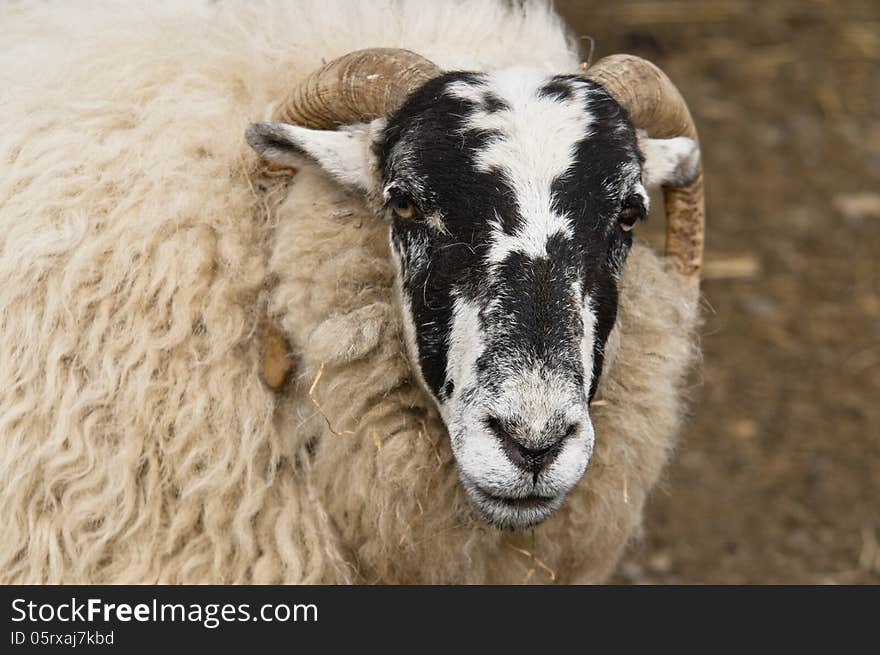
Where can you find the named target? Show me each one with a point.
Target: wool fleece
(138, 443)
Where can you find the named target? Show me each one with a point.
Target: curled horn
(656, 106)
(359, 86)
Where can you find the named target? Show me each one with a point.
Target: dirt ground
(775, 479)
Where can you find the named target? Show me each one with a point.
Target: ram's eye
(630, 215)
(403, 208)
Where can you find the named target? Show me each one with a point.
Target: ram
(485, 370)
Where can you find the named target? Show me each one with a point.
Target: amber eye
(403, 208)
(629, 215)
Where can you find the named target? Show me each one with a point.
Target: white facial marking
(466, 344)
(588, 317)
(537, 141)
(530, 239)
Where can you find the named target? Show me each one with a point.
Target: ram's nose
(532, 453)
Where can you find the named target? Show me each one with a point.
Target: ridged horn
(359, 86)
(655, 105)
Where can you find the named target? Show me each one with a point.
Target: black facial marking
(535, 304)
(492, 103)
(559, 88)
(529, 312)
(427, 150)
(593, 192)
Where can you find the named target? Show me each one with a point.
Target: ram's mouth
(524, 502)
(513, 512)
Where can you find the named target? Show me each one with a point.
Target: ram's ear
(669, 162)
(344, 153)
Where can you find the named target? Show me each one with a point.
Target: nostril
(531, 460)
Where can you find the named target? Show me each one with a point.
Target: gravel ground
(775, 479)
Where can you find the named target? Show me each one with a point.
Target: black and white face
(511, 197)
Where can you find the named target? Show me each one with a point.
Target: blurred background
(776, 475)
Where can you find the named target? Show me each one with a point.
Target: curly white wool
(138, 443)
